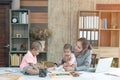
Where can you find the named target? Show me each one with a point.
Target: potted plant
(114, 25)
(41, 34)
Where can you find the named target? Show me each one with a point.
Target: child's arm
(70, 68)
(33, 65)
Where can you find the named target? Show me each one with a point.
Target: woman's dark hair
(85, 44)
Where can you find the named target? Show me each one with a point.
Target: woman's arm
(86, 64)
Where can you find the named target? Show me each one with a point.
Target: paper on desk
(2, 78)
(114, 72)
(98, 76)
(8, 70)
(60, 68)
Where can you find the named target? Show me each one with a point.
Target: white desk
(83, 76)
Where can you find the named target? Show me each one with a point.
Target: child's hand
(69, 68)
(66, 58)
(52, 68)
(40, 66)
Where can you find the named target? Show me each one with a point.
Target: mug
(42, 73)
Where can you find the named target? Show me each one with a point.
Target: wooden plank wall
(39, 12)
(107, 6)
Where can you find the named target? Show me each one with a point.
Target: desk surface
(83, 75)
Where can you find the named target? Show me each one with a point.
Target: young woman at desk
(83, 54)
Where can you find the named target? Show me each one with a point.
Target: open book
(60, 75)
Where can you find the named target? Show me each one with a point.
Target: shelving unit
(19, 35)
(102, 29)
(89, 26)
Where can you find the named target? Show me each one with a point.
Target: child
(28, 64)
(69, 61)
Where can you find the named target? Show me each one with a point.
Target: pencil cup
(42, 73)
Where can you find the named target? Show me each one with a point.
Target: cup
(42, 73)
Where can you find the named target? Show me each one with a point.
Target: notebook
(103, 65)
(60, 75)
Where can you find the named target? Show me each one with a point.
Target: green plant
(114, 24)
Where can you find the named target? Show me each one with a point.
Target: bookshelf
(89, 26)
(102, 29)
(19, 35)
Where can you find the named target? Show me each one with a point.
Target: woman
(83, 54)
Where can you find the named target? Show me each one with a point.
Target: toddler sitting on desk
(69, 61)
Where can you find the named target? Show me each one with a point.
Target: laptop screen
(104, 65)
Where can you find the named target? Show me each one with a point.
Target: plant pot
(113, 27)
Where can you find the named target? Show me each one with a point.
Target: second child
(69, 61)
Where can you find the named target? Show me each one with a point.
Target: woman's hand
(69, 68)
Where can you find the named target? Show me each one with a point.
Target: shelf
(19, 35)
(14, 66)
(43, 52)
(19, 24)
(20, 10)
(89, 29)
(18, 51)
(107, 24)
(111, 29)
(20, 38)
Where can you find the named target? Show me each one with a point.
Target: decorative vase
(43, 45)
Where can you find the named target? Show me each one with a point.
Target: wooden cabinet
(19, 35)
(110, 36)
(102, 29)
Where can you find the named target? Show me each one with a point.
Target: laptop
(104, 65)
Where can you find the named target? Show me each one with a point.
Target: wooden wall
(39, 12)
(62, 19)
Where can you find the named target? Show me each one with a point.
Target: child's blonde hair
(36, 45)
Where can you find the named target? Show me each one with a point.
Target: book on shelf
(80, 34)
(96, 38)
(92, 38)
(16, 59)
(88, 22)
(20, 58)
(81, 22)
(23, 17)
(85, 34)
(84, 22)
(105, 23)
(88, 35)
(20, 19)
